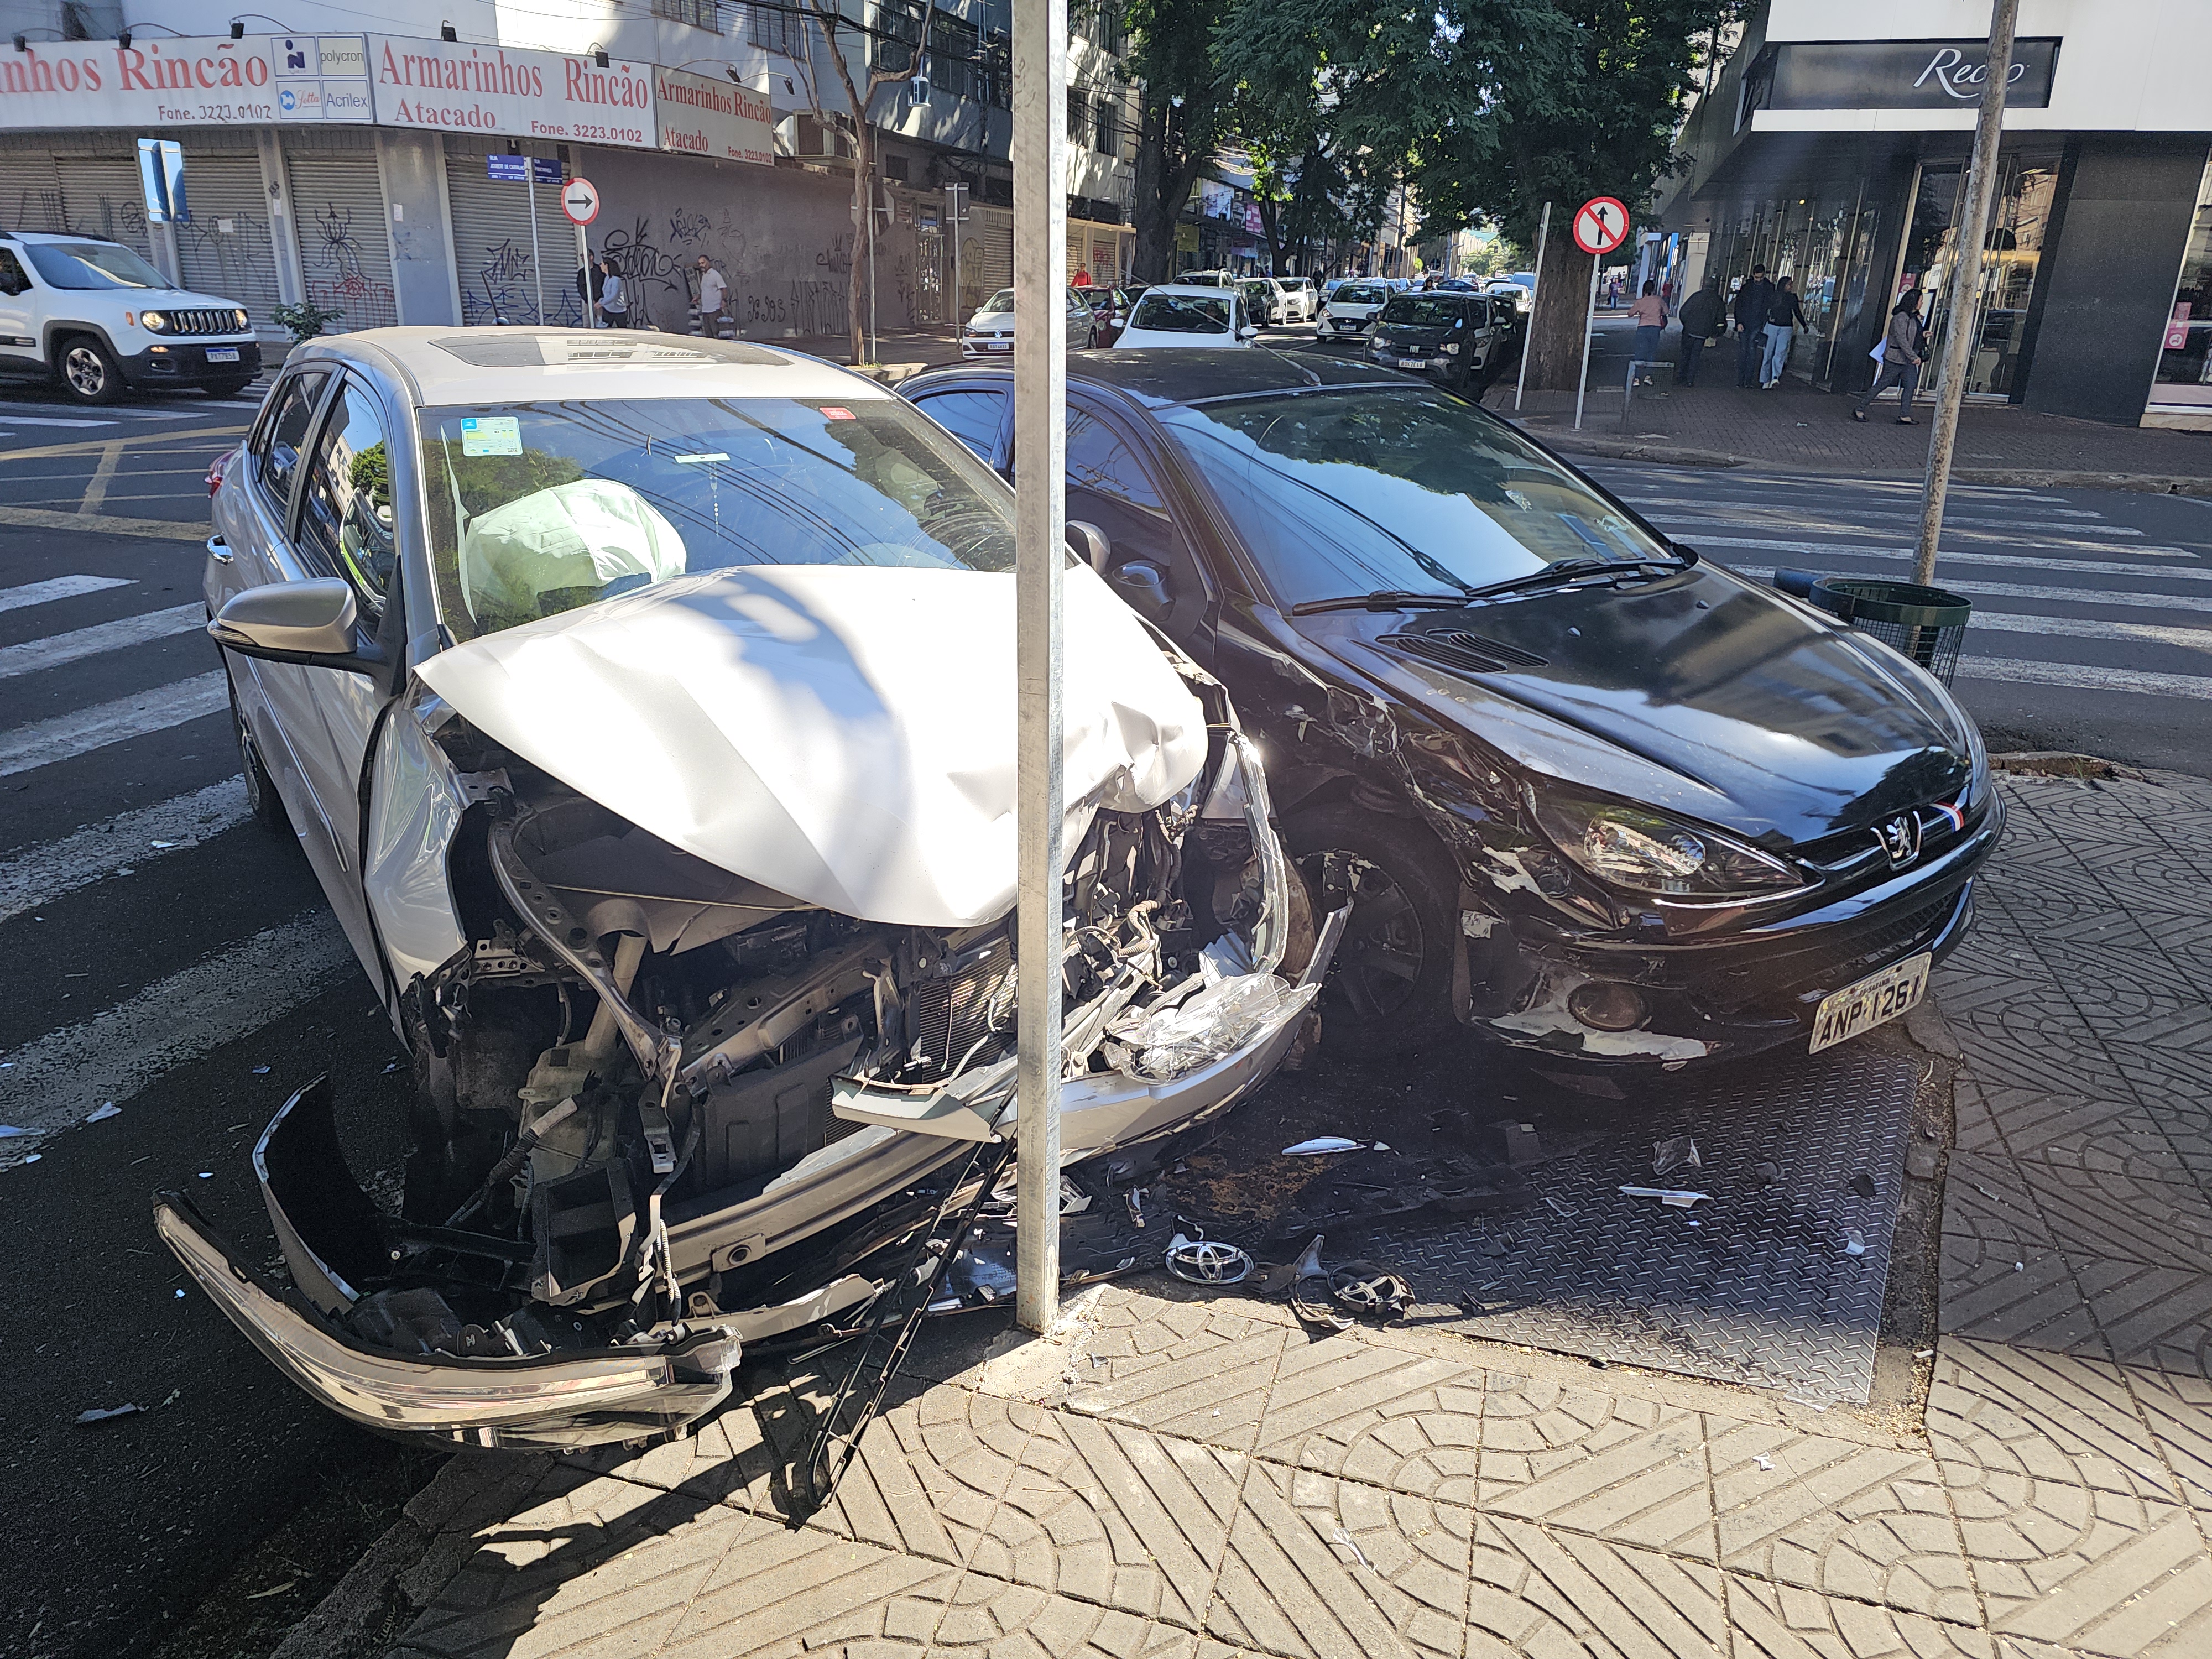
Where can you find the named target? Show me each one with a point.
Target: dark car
(1454, 338)
(1601, 798)
(1109, 312)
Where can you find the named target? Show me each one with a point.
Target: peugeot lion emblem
(1900, 839)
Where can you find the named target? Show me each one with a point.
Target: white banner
(714, 119)
(187, 83)
(454, 85)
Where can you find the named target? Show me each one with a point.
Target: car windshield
(1372, 487)
(1181, 313)
(1357, 293)
(536, 508)
(1002, 301)
(92, 265)
(1425, 311)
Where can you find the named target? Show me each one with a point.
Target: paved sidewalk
(1179, 1474)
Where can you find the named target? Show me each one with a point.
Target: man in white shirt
(713, 296)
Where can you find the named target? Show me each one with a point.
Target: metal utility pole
(1520, 379)
(1040, 150)
(1965, 285)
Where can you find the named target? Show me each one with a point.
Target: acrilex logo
(1951, 71)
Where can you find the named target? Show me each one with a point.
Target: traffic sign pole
(1589, 327)
(1601, 226)
(537, 262)
(1543, 235)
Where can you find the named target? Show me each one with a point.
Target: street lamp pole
(1040, 149)
(1965, 285)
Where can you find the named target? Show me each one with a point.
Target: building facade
(1834, 147)
(412, 172)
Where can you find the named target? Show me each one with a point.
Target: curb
(2159, 483)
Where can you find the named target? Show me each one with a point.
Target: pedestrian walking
(1751, 300)
(589, 279)
(614, 294)
(713, 296)
(1904, 348)
(1785, 315)
(1649, 312)
(1705, 318)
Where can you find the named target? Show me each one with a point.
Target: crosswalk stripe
(78, 643)
(14, 419)
(2084, 628)
(1950, 555)
(2029, 516)
(39, 875)
(2079, 678)
(1695, 528)
(44, 742)
(2189, 602)
(57, 588)
(56, 1079)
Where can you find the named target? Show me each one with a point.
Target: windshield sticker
(491, 435)
(701, 458)
(829, 414)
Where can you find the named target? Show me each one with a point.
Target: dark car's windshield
(536, 508)
(1371, 488)
(1430, 311)
(92, 265)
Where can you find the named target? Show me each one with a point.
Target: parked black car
(1603, 799)
(1453, 337)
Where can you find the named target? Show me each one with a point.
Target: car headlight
(1451, 347)
(238, 320)
(154, 320)
(1646, 852)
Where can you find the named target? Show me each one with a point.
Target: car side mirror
(1090, 542)
(1249, 331)
(312, 623)
(1144, 586)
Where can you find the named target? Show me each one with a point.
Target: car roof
(444, 365)
(42, 236)
(1159, 377)
(1191, 291)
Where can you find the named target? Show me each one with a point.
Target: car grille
(947, 1018)
(201, 321)
(1781, 980)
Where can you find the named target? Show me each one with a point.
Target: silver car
(647, 711)
(990, 331)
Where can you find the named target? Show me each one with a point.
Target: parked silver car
(647, 711)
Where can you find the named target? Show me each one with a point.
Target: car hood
(995, 322)
(843, 735)
(170, 298)
(1702, 693)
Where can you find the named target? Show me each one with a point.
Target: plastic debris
(1517, 1142)
(261, 1071)
(2020, 1267)
(1674, 1198)
(106, 1109)
(102, 1414)
(1321, 1144)
(1766, 1173)
(181, 1296)
(390, 1067)
(1344, 1539)
(1204, 1261)
(1924, 1353)
(1854, 1243)
(1697, 1223)
(9, 1130)
(1763, 1461)
(1371, 1292)
(166, 846)
(207, 1174)
(1555, 1204)
(34, 1157)
(1215, 1022)
(1863, 1184)
(1678, 1153)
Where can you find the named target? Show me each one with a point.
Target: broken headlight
(1645, 851)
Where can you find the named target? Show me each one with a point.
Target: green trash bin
(1927, 624)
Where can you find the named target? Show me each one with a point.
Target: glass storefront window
(2184, 380)
(2018, 221)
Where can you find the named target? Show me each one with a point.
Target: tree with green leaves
(1184, 101)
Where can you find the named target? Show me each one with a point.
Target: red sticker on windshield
(837, 413)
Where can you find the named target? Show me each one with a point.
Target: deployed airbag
(550, 544)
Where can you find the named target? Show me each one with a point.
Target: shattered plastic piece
(261, 1071)
(1518, 1143)
(2020, 1267)
(8, 1130)
(1678, 1153)
(1344, 1539)
(1854, 1243)
(1763, 1461)
(102, 1414)
(34, 1157)
(1216, 1021)
(1371, 1292)
(165, 846)
(1556, 1205)
(1204, 1261)
(1924, 1353)
(1697, 1223)
(1674, 1198)
(1321, 1144)
(181, 1296)
(106, 1109)
(207, 1174)
(1863, 1184)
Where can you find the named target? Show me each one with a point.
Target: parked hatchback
(1452, 337)
(1353, 306)
(648, 712)
(1182, 316)
(1604, 801)
(990, 331)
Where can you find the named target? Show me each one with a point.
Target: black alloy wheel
(1390, 982)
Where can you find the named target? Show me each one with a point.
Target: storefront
(1843, 164)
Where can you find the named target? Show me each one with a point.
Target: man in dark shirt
(1751, 300)
(1702, 317)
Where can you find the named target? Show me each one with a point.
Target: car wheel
(260, 791)
(1391, 983)
(88, 373)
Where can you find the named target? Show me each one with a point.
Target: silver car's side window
(345, 515)
(277, 447)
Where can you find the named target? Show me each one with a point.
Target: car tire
(268, 806)
(87, 370)
(1390, 984)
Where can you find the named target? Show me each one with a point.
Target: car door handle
(219, 550)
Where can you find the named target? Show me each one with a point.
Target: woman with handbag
(1904, 347)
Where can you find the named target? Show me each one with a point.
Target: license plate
(997, 345)
(222, 354)
(1413, 362)
(1874, 1000)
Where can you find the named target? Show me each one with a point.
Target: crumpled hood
(843, 735)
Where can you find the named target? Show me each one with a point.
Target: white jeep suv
(97, 319)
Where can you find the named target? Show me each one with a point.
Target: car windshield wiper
(1385, 598)
(1571, 570)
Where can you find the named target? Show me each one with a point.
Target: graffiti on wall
(498, 284)
(338, 277)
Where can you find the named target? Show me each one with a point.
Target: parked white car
(646, 709)
(1188, 314)
(1353, 307)
(1301, 298)
(94, 317)
(990, 331)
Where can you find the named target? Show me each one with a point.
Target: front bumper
(186, 362)
(977, 346)
(1749, 990)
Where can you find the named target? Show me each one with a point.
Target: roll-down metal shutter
(225, 251)
(492, 247)
(100, 195)
(30, 190)
(346, 246)
(986, 256)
